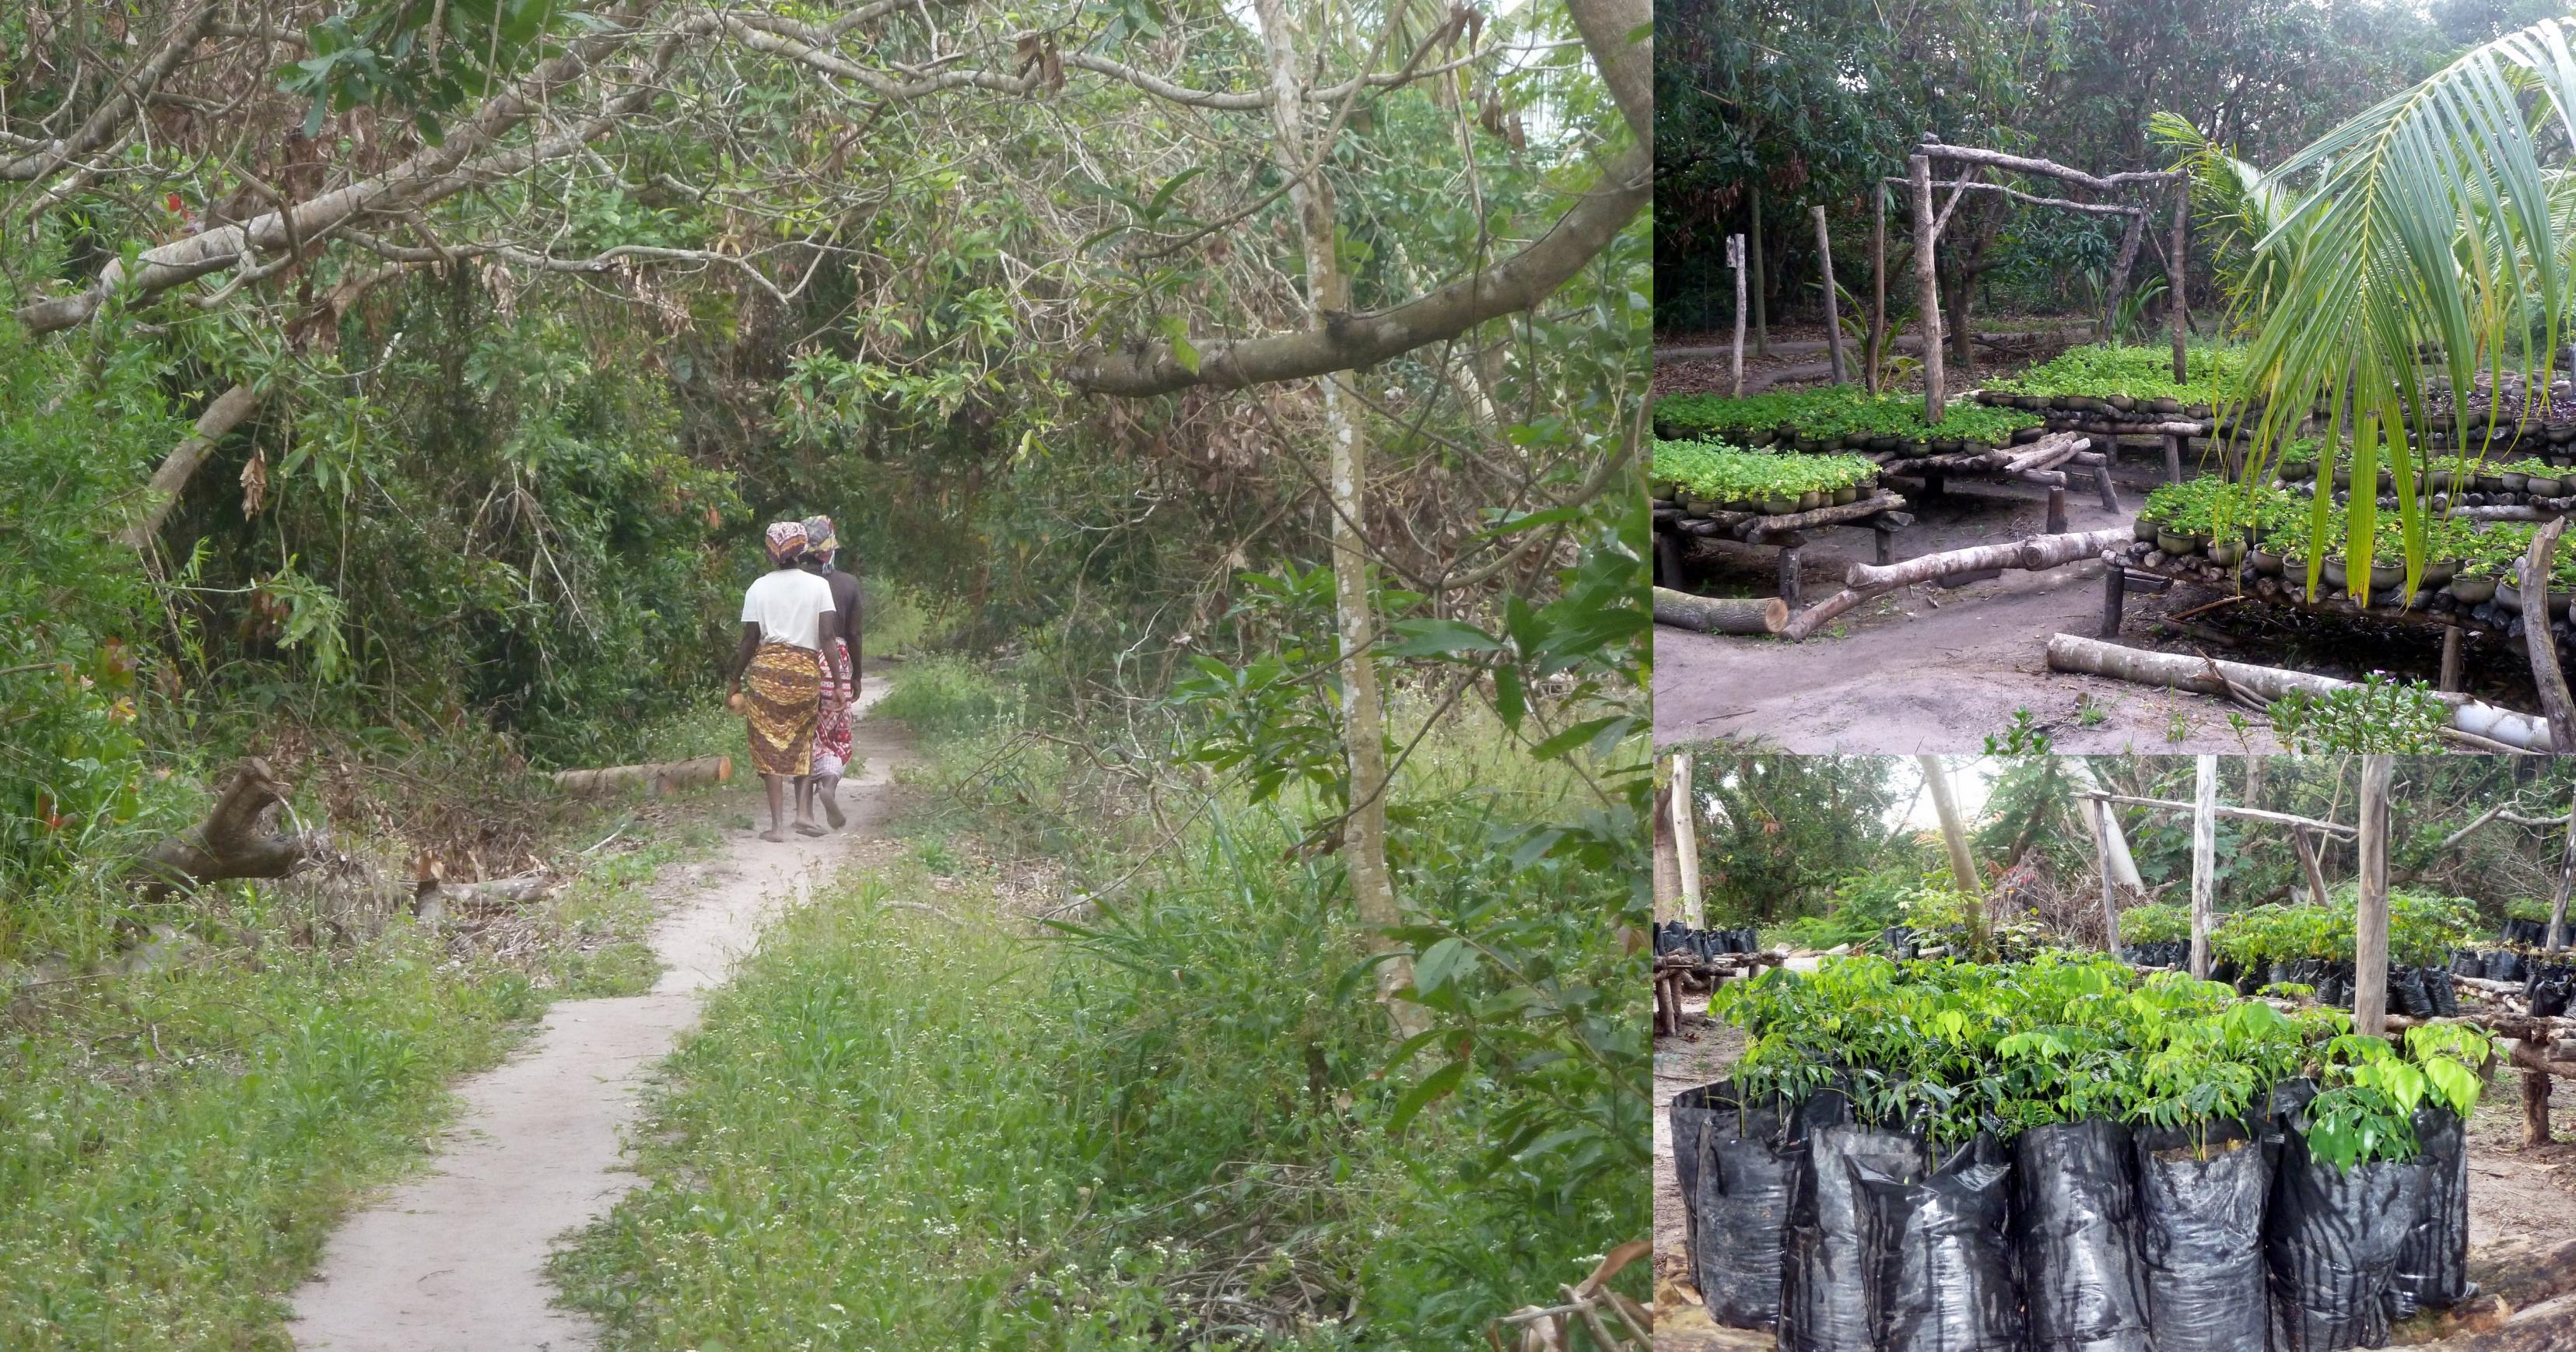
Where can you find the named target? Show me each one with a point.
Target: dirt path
(454, 1260)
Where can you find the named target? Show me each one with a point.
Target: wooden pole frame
(1833, 311)
(1927, 285)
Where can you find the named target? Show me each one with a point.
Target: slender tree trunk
(1833, 309)
(2177, 303)
(2100, 813)
(1735, 363)
(2566, 882)
(1686, 842)
(1927, 290)
(1761, 281)
(2204, 859)
(2370, 913)
(2130, 238)
(1668, 865)
(1954, 834)
(1328, 293)
(1877, 284)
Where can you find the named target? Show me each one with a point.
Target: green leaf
(1439, 638)
(1451, 959)
(1433, 1086)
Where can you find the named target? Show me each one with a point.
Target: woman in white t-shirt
(787, 621)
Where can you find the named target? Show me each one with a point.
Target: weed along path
(454, 1260)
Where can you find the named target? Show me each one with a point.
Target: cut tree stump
(1720, 614)
(238, 838)
(659, 778)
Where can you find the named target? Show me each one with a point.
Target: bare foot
(810, 829)
(832, 814)
(774, 836)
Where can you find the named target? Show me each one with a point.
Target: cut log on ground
(2175, 671)
(238, 838)
(2038, 553)
(1720, 614)
(660, 777)
(435, 897)
(2549, 1326)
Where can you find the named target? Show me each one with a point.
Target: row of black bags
(2076, 1237)
(2419, 992)
(1673, 936)
(2546, 984)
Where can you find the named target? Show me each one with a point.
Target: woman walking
(787, 627)
(832, 736)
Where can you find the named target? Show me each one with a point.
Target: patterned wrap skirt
(782, 693)
(832, 739)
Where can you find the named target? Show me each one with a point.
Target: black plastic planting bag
(2504, 964)
(2433, 1265)
(1940, 1253)
(2467, 962)
(2075, 1214)
(2332, 1244)
(1743, 1165)
(1825, 1290)
(2406, 994)
(2445, 995)
(2201, 1197)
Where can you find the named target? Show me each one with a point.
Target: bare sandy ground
(454, 1260)
(1929, 670)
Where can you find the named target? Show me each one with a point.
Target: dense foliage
(2139, 372)
(1725, 474)
(1831, 414)
(1953, 1049)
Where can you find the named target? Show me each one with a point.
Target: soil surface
(454, 1260)
(2517, 1197)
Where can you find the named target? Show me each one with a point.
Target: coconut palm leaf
(2428, 220)
(2237, 207)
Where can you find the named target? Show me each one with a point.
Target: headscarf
(786, 541)
(820, 540)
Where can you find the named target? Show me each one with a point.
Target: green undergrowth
(176, 1142)
(1175, 1121)
(174, 1147)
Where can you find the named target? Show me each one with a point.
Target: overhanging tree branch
(1349, 342)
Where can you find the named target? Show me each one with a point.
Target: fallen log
(2093, 657)
(659, 777)
(238, 838)
(1755, 527)
(2038, 553)
(434, 897)
(1720, 614)
(2549, 1326)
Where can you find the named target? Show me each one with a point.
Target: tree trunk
(1720, 614)
(1954, 834)
(1668, 865)
(2103, 826)
(1833, 313)
(223, 415)
(2535, 1108)
(2555, 703)
(1761, 280)
(2204, 859)
(234, 841)
(1328, 294)
(2370, 912)
(2177, 304)
(1927, 289)
(1735, 355)
(2566, 882)
(2130, 238)
(2308, 865)
(1877, 284)
(2035, 554)
(1686, 842)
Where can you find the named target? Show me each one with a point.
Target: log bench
(1882, 513)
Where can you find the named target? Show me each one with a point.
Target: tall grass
(1169, 1124)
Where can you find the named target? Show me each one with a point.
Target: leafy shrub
(2378, 714)
(1830, 414)
(2101, 370)
(2156, 922)
(1720, 473)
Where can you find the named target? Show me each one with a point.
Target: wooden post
(2110, 492)
(1877, 283)
(2174, 278)
(2370, 915)
(1761, 281)
(2541, 644)
(1789, 565)
(1927, 288)
(2535, 1105)
(2451, 674)
(1735, 260)
(2566, 882)
(1668, 560)
(2115, 599)
(1686, 842)
(2102, 859)
(2057, 509)
(1833, 307)
(2130, 238)
(1886, 542)
(2173, 459)
(2204, 859)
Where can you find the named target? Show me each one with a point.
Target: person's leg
(828, 788)
(805, 807)
(777, 826)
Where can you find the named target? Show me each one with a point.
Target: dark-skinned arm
(742, 658)
(826, 627)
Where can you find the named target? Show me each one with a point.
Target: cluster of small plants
(2298, 463)
(2105, 370)
(1952, 1049)
(2276, 519)
(2378, 714)
(2157, 922)
(2423, 928)
(2211, 505)
(1719, 473)
(1836, 415)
